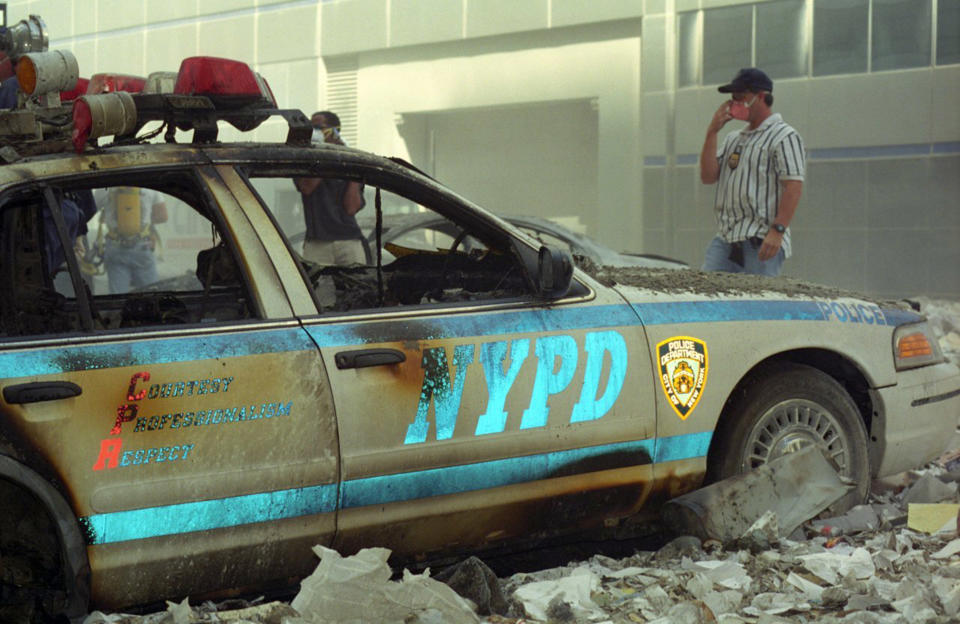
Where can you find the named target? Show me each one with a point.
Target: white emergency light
(160, 82)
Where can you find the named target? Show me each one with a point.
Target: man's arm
(789, 199)
(709, 165)
(307, 185)
(352, 198)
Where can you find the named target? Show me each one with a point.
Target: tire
(785, 409)
(44, 573)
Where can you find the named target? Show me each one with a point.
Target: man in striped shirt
(759, 174)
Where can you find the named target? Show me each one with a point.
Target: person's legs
(717, 257)
(753, 264)
(144, 266)
(318, 252)
(347, 252)
(118, 273)
(322, 252)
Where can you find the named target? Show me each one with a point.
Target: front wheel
(784, 410)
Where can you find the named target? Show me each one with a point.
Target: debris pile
(894, 560)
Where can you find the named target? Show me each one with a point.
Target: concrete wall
(880, 209)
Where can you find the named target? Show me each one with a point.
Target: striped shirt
(748, 194)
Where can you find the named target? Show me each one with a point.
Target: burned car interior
(432, 268)
(196, 278)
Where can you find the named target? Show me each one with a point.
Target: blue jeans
(718, 258)
(129, 267)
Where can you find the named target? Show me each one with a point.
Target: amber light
(27, 75)
(914, 345)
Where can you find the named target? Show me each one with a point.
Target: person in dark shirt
(329, 207)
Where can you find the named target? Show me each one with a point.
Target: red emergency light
(108, 83)
(80, 89)
(221, 80)
(6, 67)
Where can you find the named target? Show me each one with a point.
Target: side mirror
(554, 272)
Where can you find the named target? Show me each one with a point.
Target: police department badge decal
(683, 372)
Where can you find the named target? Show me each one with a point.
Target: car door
(189, 419)
(467, 419)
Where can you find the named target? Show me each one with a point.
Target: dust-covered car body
(198, 440)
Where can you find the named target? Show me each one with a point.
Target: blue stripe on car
(122, 526)
(62, 359)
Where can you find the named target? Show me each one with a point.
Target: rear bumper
(918, 417)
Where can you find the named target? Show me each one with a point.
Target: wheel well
(40, 529)
(841, 369)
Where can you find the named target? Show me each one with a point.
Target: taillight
(109, 83)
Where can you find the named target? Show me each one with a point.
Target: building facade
(593, 112)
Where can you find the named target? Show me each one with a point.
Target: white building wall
(880, 206)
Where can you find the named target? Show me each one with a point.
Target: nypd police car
(197, 435)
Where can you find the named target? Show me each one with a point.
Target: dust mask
(740, 109)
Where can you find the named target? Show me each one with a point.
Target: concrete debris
(795, 488)
(929, 489)
(867, 566)
(475, 581)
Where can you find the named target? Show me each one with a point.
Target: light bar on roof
(108, 83)
(100, 115)
(222, 80)
(80, 89)
(160, 82)
(44, 72)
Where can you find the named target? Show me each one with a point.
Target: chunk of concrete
(796, 487)
(474, 580)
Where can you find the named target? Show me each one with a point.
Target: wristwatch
(779, 227)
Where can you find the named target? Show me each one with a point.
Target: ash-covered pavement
(894, 560)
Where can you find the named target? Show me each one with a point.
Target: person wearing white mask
(759, 173)
(329, 207)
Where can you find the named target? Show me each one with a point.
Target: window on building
(688, 59)
(901, 34)
(948, 32)
(840, 36)
(727, 42)
(781, 40)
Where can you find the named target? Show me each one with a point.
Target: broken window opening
(148, 252)
(442, 262)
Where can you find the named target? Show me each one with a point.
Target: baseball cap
(748, 79)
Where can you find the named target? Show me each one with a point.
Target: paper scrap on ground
(931, 518)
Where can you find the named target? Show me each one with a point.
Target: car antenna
(379, 229)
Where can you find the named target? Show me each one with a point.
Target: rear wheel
(44, 575)
(786, 409)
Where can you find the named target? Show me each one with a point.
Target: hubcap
(790, 426)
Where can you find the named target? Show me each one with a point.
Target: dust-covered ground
(895, 560)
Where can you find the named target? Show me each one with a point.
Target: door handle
(362, 358)
(41, 391)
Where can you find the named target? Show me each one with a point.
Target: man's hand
(720, 118)
(770, 246)
(709, 165)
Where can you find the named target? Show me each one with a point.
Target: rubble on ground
(866, 566)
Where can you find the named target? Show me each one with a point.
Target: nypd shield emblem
(683, 372)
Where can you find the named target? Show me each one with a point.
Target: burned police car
(196, 433)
